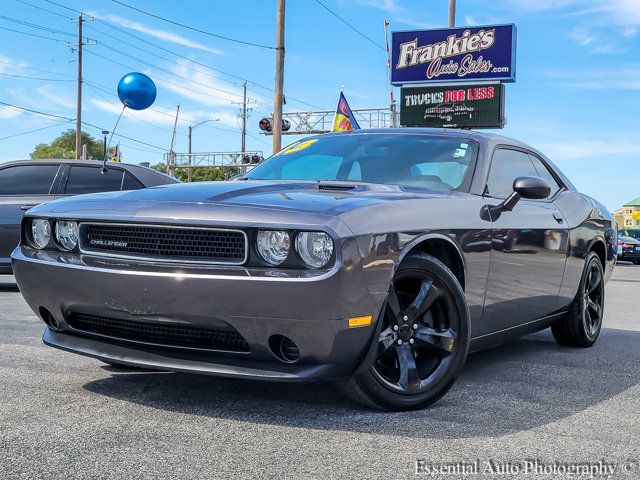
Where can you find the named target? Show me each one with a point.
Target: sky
(576, 98)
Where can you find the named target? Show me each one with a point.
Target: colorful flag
(344, 121)
(116, 154)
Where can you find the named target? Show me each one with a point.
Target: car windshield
(427, 161)
(630, 232)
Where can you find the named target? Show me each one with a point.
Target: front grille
(162, 334)
(164, 243)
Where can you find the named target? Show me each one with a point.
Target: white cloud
(578, 150)
(582, 36)
(387, 5)
(9, 112)
(51, 95)
(166, 35)
(163, 117)
(624, 79)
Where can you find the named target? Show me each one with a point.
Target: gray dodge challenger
(376, 258)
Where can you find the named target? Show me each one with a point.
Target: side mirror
(532, 188)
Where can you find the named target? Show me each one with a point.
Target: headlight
(67, 234)
(273, 245)
(40, 232)
(315, 248)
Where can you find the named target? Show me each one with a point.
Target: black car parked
(27, 183)
(629, 249)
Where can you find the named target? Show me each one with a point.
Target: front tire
(423, 343)
(582, 324)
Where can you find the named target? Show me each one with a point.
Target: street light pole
(452, 13)
(191, 127)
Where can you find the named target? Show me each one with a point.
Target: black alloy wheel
(419, 333)
(423, 340)
(593, 291)
(581, 326)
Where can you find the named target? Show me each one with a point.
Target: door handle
(558, 218)
(26, 207)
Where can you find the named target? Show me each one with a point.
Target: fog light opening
(49, 319)
(284, 348)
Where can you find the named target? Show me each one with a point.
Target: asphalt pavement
(66, 416)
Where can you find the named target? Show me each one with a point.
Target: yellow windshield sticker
(296, 147)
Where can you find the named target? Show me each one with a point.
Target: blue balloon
(137, 91)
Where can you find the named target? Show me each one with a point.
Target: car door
(528, 246)
(21, 187)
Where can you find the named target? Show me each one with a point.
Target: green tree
(65, 147)
(200, 174)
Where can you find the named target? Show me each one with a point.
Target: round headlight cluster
(315, 248)
(40, 232)
(67, 234)
(273, 246)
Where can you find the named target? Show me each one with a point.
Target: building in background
(624, 216)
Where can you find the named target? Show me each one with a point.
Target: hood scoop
(338, 187)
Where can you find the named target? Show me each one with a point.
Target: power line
(152, 65)
(67, 119)
(200, 92)
(36, 111)
(161, 57)
(173, 22)
(36, 69)
(33, 25)
(349, 25)
(36, 78)
(43, 9)
(35, 130)
(268, 89)
(33, 35)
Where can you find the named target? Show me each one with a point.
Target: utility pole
(452, 13)
(277, 101)
(189, 169)
(79, 95)
(244, 119)
(171, 157)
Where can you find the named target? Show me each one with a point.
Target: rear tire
(423, 343)
(582, 324)
(636, 262)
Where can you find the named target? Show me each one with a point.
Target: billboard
(454, 55)
(461, 106)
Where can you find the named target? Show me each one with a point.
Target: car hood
(237, 200)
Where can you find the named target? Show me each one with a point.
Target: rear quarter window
(91, 180)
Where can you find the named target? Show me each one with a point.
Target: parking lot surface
(66, 416)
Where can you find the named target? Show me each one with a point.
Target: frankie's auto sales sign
(454, 55)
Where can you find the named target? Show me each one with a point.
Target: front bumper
(629, 256)
(311, 310)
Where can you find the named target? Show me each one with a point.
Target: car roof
(67, 161)
(148, 176)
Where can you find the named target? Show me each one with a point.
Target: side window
(545, 174)
(506, 166)
(91, 180)
(130, 182)
(27, 179)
